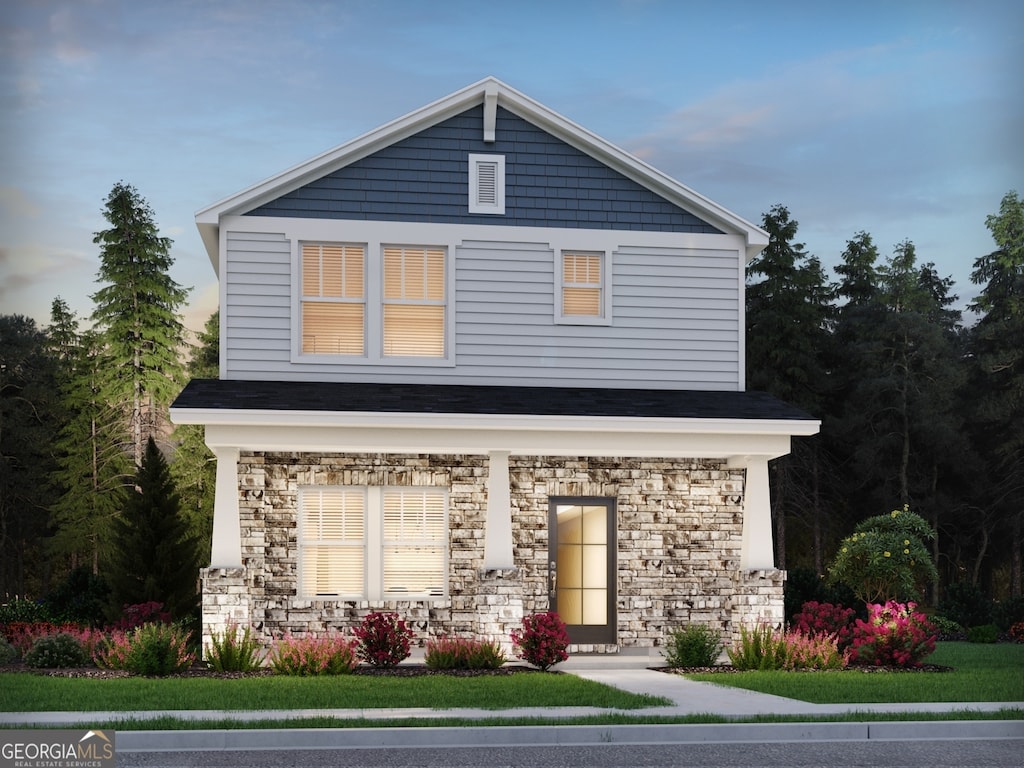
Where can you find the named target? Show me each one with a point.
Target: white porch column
(498, 524)
(757, 551)
(227, 529)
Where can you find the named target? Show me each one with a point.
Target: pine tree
(788, 317)
(154, 558)
(136, 313)
(195, 467)
(997, 346)
(93, 465)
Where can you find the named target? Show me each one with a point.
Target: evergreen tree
(93, 465)
(788, 311)
(137, 315)
(154, 558)
(195, 467)
(28, 418)
(997, 346)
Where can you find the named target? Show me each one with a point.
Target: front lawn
(980, 673)
(27, 692)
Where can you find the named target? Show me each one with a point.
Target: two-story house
(479, 363)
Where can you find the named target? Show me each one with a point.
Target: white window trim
(497, 207)
(373, 576)
(606, 289)
(373, 353)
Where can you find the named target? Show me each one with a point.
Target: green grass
(981, 673)
(25, 692)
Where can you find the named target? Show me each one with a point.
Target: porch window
(333, 299)
(414, 302)
(373, 543)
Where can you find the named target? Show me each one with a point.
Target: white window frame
(374, 544)
(373, 314)
(605, 288)
(321, 299)
(481, 164)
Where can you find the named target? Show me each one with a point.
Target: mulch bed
(201, 670)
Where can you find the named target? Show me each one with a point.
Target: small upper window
(487, 184)
(583, 287)
(414, 302)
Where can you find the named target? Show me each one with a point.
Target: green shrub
(761, 648)
(55, 651)
(229, 652)
(154, 650)
(947, 628)
(966, 604)
(304, 656)
(1008, 612)
(463, 653)
(986, 633)
(8, 652)
(81, 598)
(21, 610)
(693, 646)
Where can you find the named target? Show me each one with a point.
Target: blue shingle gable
(548, 183)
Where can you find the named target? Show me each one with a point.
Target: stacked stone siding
(678, 524)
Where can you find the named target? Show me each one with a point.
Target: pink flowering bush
(154, 650)
(383, 639)
(542, 641)
(766, 649)
(332, 654)
(826, 619)
(24, 634)
(893, 635)
(463, 653)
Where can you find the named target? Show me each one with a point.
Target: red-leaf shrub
(137, 614)
(23, 634)
(543, 640)
(383, 639)
(1017, 632)
(826, 619)
(893, 635)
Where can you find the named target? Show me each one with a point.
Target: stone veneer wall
(679, 527)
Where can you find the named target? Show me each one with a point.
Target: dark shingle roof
(467, 399)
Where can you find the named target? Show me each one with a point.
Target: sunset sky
(902, 118)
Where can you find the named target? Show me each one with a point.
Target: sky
(901, 118)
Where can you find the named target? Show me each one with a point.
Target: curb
(563, 735)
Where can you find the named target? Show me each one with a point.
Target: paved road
(991, 753)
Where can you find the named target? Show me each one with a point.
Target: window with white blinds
(582, 285)
(373, 543)
(333, 299)
(414, 302)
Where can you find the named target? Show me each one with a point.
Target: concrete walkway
(627, 672)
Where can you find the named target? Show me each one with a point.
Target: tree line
(918, 408)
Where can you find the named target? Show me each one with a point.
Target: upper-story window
(414, 302)
(394, 306)
(583, 290)
(333, 299)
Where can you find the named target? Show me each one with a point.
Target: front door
(581, 566)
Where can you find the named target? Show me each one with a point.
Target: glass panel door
(581, 566)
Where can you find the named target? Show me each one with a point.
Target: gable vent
(487, 184)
